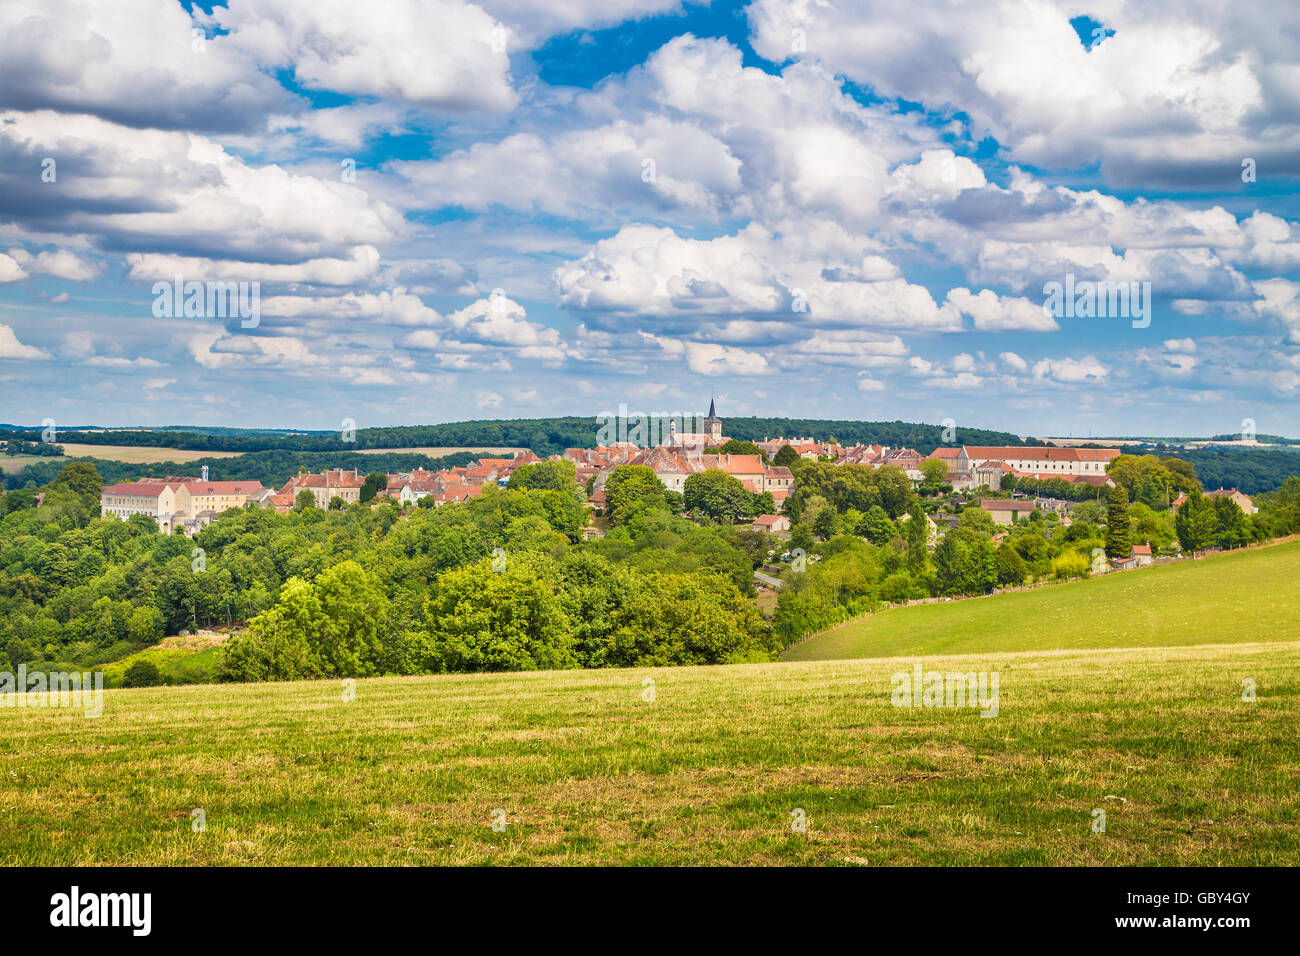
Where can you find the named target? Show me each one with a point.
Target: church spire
(713, 412)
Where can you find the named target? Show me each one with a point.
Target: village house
(773, 524)
(177, 501)
(976, 466)
(1005, 510)
(335, 483)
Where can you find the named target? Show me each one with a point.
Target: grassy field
(586, 770)
(1242, 596)
(14, 464)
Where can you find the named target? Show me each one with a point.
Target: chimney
(204, 473)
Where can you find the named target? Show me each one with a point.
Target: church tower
(713, 424)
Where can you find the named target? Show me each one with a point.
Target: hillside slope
(1227, 598)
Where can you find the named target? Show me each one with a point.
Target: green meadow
(1233, 597)
(707, 765)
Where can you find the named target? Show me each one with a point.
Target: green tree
(1011, 567)
(737, 447)
(1196, 523)
(786, 457)
(1118, 543)
(827, 523)
(375, 482)
(505, 620)
(716, 494)
(876, 527)
(560, 475)
(934, 472)
(628, 486)
(964, 563)
(304, 500)
(687, 619)
(146, 625)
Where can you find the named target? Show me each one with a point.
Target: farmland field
(585, 768)
(1225, 598)
(141, 454)
(14, 464)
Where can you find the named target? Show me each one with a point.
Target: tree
(786, 457)
(737, 447)
(827, 523)
(146, 625)
(964, 563)
(1118, 543)
(978, 520)
(304, 500)
(627, 486)
(876, 527)
(801, 536)
(687, 619)
(1011, 567)
(934, 472)
(1196, 523)
(1233, 529)
(510, 619)
(142, 673)
(716, 494)
(561, 475)
(916, 532)
(337, 503)
(376, 481)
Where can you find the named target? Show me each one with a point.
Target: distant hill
(545, 436)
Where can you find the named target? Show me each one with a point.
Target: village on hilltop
(190, 503)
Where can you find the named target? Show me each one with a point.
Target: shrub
(142, 673)
(1071, 564)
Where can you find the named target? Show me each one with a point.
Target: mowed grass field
(585, 769)
(1241, 596)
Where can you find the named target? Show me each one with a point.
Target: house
(1142, 554)
(771, 523)
(1124, 564)
(1004, 510)
(177, 501)
(1050, 462)
(335, 483)
(1243, 502)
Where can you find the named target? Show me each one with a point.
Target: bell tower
(713, 424)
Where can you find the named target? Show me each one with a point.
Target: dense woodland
(545, 436)
(271, 468)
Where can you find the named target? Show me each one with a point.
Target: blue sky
(520, 209)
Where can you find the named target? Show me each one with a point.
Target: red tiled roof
(1006, 504)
